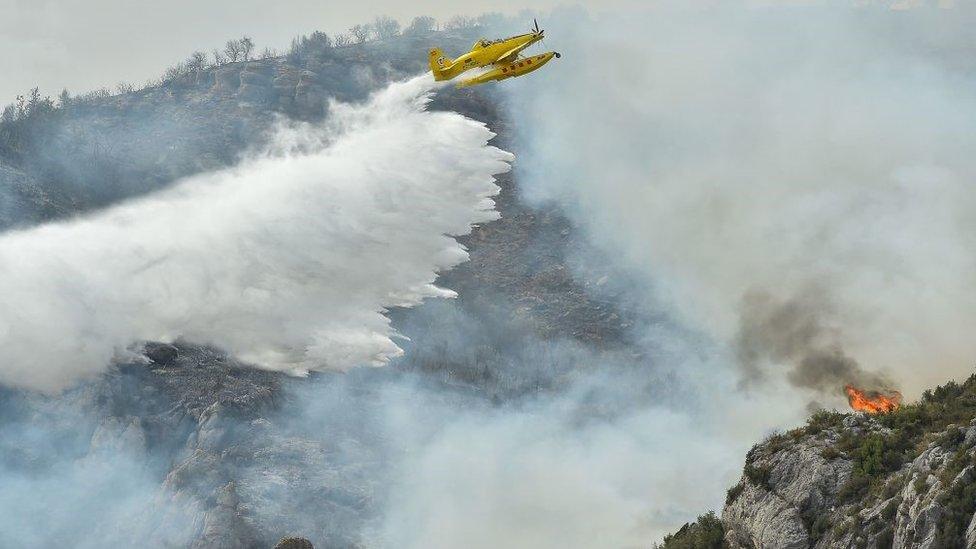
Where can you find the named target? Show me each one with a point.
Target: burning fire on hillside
(872, 402)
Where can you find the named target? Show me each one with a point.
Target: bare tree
(21, 103)
(246, 46)
(64, 98)
(459, 22)
(491, 20)
(34, 104)
(218, 58)
(124, 87)
(268, 53)
(386, 27)
(175, 72)
(34, 98)
(341, 39)
(360, 33)
(319, 41)
(197, 61)
(421, 26)
(93, 95)
(233, 49)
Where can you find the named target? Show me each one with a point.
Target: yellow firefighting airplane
(503, 55)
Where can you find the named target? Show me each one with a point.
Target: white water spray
(287, 260)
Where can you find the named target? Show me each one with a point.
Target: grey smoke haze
(621, 452)
(752, 156)
(734, 152)
(68, 480)
(793, 332)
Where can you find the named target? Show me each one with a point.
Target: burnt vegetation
(69, 152)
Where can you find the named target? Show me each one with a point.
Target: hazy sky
(87, 44)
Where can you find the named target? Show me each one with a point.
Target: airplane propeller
(535, 23)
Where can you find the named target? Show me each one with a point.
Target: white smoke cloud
(287, 260)
(624, 452)
(810, 155)
(816, 159)
(536, 479)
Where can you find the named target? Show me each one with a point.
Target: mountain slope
(906, 479)
(234, 456)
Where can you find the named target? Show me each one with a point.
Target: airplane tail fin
(439, 64)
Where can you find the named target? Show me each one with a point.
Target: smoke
(794, 332)
(69, 477)
(288, 259)
(790, 184)
(793, 181)
(620, 453)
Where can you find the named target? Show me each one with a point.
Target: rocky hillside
(905, 479)
(78, 153)
(236, 456)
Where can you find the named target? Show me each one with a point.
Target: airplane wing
(511, 55)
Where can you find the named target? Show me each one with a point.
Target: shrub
(830, 453)
(886, 538)
(705, 533)
(875, 455)
(890, 509)
(952, 437)
(758, 475)
(822, 420)
(776, 442)
(921, 485)
(734, 492)
(819, 527)
(959, 460)
(892, 487)
(853, 489)
(959, 504)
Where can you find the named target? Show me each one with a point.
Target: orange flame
(872, 402)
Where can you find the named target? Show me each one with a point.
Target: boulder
(161, 353)
(308, 77)
(293, 543)
(255, 79)
(262, 67)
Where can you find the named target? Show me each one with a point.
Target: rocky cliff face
(904, 480)
(802, 493)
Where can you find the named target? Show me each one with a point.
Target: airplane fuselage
(510, 70)
(482, 54)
